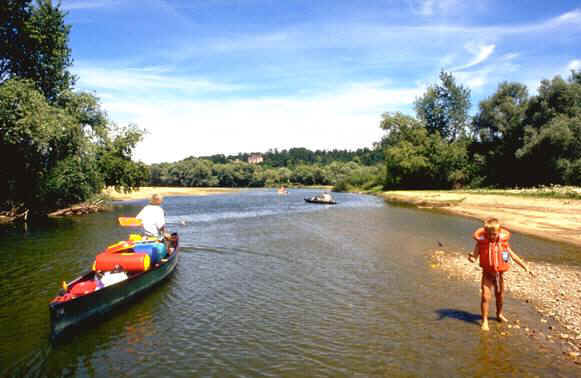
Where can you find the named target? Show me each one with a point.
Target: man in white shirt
(152, 217)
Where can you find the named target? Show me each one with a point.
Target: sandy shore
(146, 192)
(554, 219)
(555, 292)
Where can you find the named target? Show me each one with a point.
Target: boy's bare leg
(487, 285)
(499, 293)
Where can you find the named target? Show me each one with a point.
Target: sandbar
(548, 218)
(148, 191)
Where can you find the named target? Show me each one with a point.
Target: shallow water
(268, 285)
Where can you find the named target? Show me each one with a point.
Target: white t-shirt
(153, 219)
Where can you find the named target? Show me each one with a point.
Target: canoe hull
(313, 200)
(63, 315)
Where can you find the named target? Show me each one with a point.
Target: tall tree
(552, 141)
(14, 15)
(34, 137)
(34, 45)
(114, 159)
(444, 108)
(499, 131)
(416, 159)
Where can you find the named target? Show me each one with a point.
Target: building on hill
(255, 159)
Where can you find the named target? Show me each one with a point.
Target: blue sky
(229, 76)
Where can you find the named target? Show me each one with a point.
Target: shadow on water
(465, 316)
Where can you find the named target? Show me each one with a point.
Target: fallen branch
(79, 209)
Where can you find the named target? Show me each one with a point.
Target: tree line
(201, 172)
(513, 139)
(296, 156)
(58, 146)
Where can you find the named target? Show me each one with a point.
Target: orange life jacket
(494, 255)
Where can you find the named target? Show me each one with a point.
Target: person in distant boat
(494, 253)
(282, 190)
(152, 218)
(326, 197)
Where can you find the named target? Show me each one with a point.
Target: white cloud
(572, 18)
(145, 79)
(574, 65)
(474, 80)
(481, 53)
(178, 128)
(568, 17)
(302, 37)
(509, 57)
(491, 73)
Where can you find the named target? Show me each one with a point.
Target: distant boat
(321, 201)
(282, 190)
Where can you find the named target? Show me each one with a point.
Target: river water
(270, 286)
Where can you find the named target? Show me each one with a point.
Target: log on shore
(82, 209)
(13, 216)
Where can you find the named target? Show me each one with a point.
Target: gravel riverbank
(555, 292)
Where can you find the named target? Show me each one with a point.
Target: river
(269, 286)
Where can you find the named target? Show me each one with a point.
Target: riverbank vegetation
(231, 171)
(58, 146)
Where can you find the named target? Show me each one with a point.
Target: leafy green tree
(72, 180)
(54, 156)
(14, 15)
(29, 128)
(552, 140)
(362, 178)
(416, 159)
(499, 128)
(39, 140)
(444, 108)
(34, 45)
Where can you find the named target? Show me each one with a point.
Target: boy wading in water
(494, 253)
